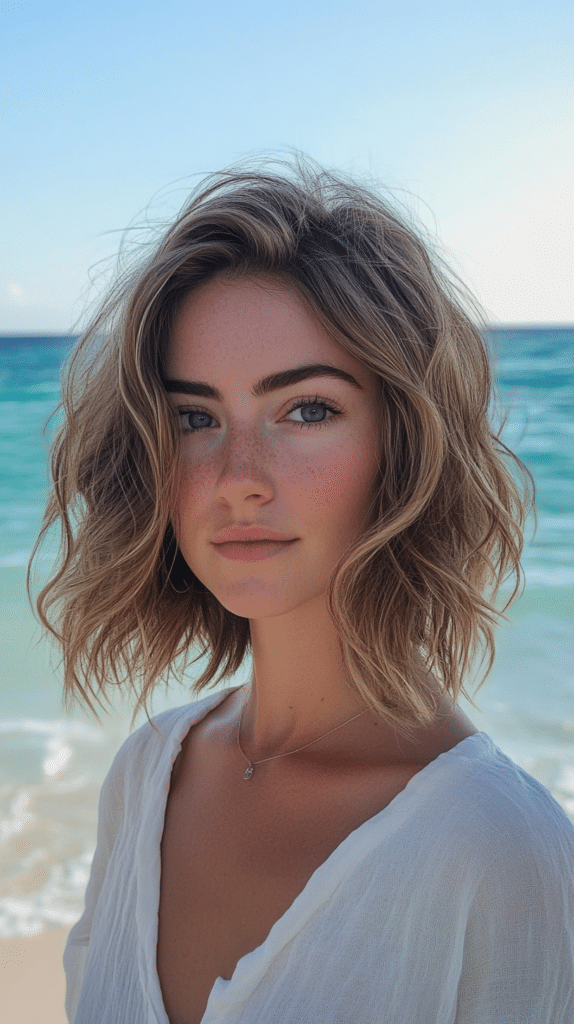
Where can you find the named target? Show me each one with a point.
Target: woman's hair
(446, 526)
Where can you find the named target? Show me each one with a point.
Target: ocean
(52, 764)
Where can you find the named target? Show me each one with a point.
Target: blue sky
(115, 109)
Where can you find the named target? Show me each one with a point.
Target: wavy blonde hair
(444, 531)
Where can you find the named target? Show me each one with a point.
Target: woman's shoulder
(515, 814)
(156, 741)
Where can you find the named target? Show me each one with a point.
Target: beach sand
(32, 982)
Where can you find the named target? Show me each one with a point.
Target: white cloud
(517, 253)
(16, 293)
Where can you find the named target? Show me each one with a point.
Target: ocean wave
(54, 729)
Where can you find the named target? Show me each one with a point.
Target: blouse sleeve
(110, 813)
(518, 957)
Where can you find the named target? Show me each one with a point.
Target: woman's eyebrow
(274, 382)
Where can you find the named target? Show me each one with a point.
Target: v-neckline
(290, 921)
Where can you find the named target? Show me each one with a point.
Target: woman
(276, 442)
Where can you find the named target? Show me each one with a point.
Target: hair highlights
(445, 528)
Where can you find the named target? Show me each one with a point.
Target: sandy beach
(32, 983)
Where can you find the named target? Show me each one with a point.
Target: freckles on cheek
(350, 470)
(346, 485)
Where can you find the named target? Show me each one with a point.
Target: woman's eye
(314, 405)
(193, 420)
(188, 415)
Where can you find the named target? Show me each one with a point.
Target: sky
(113, 112)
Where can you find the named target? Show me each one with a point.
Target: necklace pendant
(249, 771)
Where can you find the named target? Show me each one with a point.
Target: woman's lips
(252, 551)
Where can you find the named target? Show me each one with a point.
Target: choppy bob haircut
(444, 531)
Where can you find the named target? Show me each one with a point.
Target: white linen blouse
(452, 905)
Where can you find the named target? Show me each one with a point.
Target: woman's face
(251, 459)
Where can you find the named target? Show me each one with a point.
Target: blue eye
(193, 412)
(314, 403)
(301, 403)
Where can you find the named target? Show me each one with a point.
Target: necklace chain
(250, 764)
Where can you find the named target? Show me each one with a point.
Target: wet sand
(32, 983)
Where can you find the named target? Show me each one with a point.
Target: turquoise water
(52, 764)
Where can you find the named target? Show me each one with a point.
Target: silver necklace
(251, 764)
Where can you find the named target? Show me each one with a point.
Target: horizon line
(498, 325)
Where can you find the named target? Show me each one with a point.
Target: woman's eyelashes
(189, 426)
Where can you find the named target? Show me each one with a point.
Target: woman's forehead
(247, 322)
